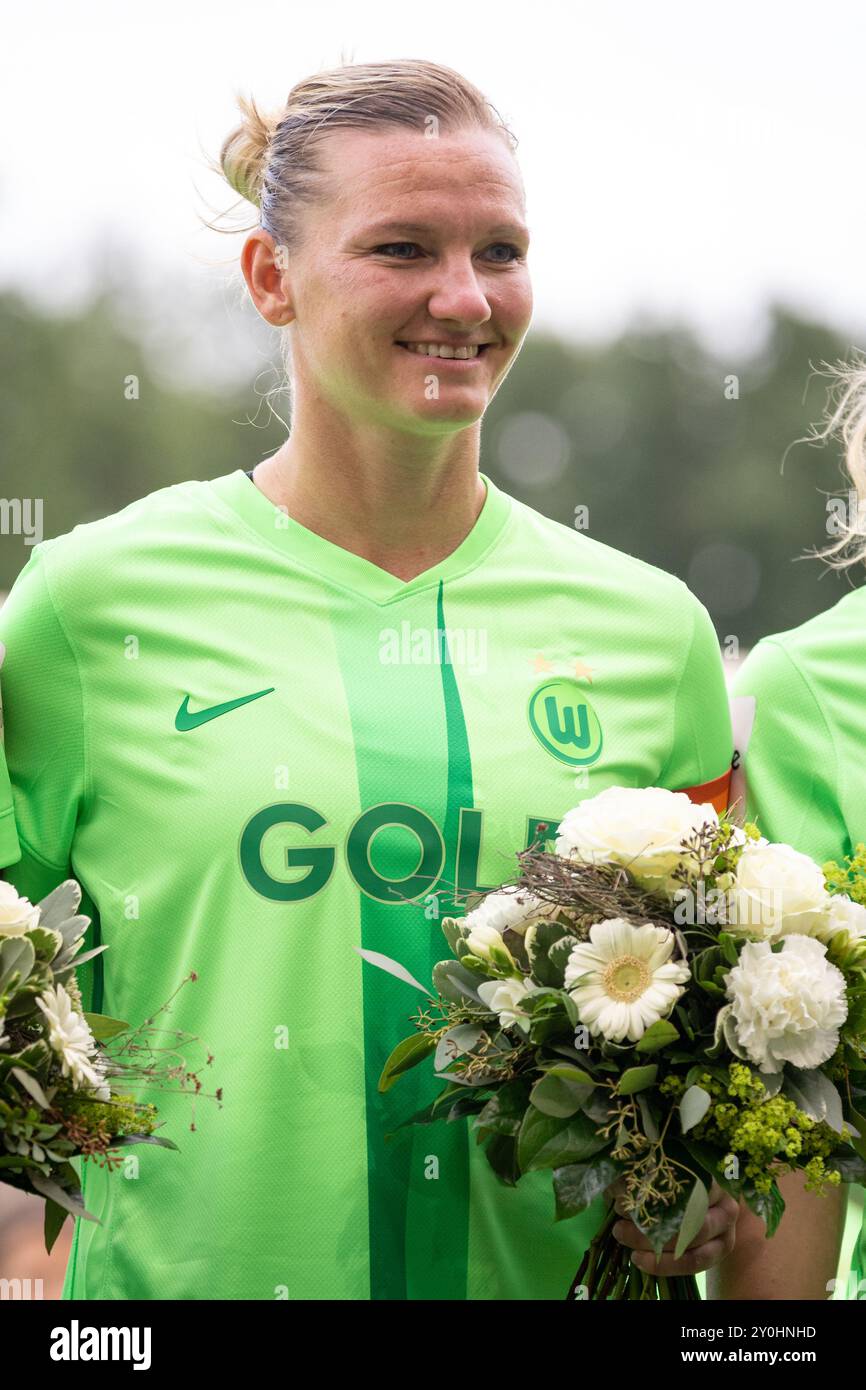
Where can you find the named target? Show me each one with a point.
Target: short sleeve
(43, 730)
(790, 764)
(702, 745)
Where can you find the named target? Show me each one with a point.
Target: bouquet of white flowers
(61, 1069)
(663, 1001)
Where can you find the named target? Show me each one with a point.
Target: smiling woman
(398, 330)
(208, 716)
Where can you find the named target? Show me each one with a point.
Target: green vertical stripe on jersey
(417, 1214)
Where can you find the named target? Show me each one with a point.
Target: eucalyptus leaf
(391, 967)
(47, 1187)
(636, 1079)
(562, 1091)
(103, 1027)
(31, 1085)
(693, 1107)
(693, 1217)
(659, 1034)
(650, 1128)
(815, 1093)
(462, 1038)
(457, 984)
(123, 1141)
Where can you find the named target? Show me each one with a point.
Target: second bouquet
(662, 1002)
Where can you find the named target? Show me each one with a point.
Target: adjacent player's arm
(799, 1261)
(791, 779)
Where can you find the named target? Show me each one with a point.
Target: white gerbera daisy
(72, 1040)
(623, 979)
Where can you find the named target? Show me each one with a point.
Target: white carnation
(639, 827)
(787, 1005)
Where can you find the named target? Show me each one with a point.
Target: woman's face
(423, 240)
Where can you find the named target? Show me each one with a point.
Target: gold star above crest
(541, 663)
(579, 668)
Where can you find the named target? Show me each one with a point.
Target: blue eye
(516, 255)
(391, 244)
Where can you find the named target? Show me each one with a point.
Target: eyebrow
(423, 229)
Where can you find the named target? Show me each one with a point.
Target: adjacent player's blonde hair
(270, 159)
(845, 421)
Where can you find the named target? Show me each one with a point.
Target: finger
(695, 1260)
(719, 1219)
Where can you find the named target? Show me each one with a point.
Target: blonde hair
(845, 421)
(270, 159)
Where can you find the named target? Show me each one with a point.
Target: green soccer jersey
(805, 759)
(259, 752)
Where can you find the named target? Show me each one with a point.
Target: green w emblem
(564, 722)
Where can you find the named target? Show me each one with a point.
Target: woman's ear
(264, 263)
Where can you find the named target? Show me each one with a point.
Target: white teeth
(442, 350)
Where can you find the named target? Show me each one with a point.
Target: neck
(403, 502)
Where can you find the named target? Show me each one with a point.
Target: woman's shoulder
(823, 647)
(77, 571)
(617, 572)
(810, 680)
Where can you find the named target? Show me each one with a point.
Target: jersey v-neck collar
(343, 567)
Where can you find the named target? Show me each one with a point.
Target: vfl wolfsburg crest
(564, 722)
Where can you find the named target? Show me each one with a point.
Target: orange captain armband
(717, 792)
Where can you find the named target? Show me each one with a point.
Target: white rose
(787, 1005)
(777, 891)
(503, 997)
(509, 908)
(17, 914)
(638, 827)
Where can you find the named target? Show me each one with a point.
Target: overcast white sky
(681, 159)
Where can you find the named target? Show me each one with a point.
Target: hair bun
(244, 152)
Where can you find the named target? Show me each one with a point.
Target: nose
(457, 294)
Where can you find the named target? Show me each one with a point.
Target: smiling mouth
(439, 357)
